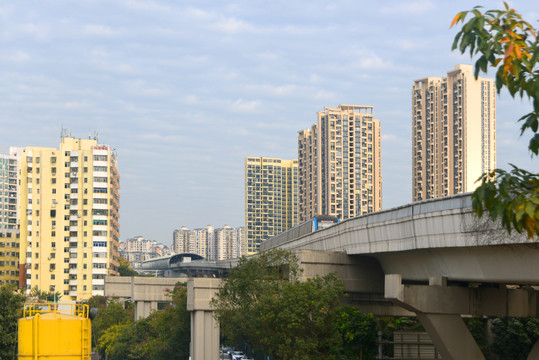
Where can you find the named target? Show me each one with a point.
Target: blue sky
(185, 90)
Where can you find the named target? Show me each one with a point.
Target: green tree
(110, 312)
(263, 306)
(514, 337)
(507, 43)
(236, 300)
(169, 331)
(359, 334)
(11, 304)
(161, 336)
(49, 296)
(125, 268)
(298, 321)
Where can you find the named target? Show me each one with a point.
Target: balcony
(99, 271)
(98, 281)
(73, 271)
(73, 282)
(73, 293)
(98, 292)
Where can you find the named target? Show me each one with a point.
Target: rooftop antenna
(95, 135)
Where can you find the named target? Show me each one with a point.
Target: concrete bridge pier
(451, 336)
(439, 307)
(204, 327)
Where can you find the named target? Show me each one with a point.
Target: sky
(185, 90)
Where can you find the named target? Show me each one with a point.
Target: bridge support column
(204, 327)
(438, 308)
(534, 354)
(451, 336)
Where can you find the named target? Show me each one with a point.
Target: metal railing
(80, 310)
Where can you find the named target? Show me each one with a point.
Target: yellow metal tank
(55, 331)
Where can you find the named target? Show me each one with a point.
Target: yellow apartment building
(453, 132)
(340, 172)
(69, 210)
(271, 198)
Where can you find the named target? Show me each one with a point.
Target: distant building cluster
(138, 249)
(339, 167)
(209, 242)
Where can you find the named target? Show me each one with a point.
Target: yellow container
(55, 331)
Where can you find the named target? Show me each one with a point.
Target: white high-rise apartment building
(210, 243)
(340, 164)
(453, 132)
(9, 218)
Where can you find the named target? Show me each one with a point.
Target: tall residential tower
(9, 219)
(340, 164)
(69, 217)
(271, 198)
(453, 132)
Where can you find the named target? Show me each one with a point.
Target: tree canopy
(163, 335)
(507, 43)
(10, 310)
(266, 308)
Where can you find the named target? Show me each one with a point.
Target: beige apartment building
(181, 241)
(69, 217)
(9, 219)
(340, 171)
(271, 198)
(453, 132)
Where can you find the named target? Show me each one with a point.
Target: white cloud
(373, 62)
(140, 87)
(273, 90)
(145, 5)
(39, 32)
(16, 57)
(368, 60)
(315, 78)
(159, 138)
(98, 30)
(411, 7)
(243, 106)
(232, 25)
(191, 99)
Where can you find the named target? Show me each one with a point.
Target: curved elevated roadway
(433, 238)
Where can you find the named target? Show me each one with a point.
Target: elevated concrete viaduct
(433, 259)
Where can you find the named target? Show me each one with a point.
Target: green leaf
(534, 144)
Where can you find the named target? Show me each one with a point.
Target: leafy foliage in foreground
(10, 309)
(163, 335)
(265, 308)
(506, 42)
